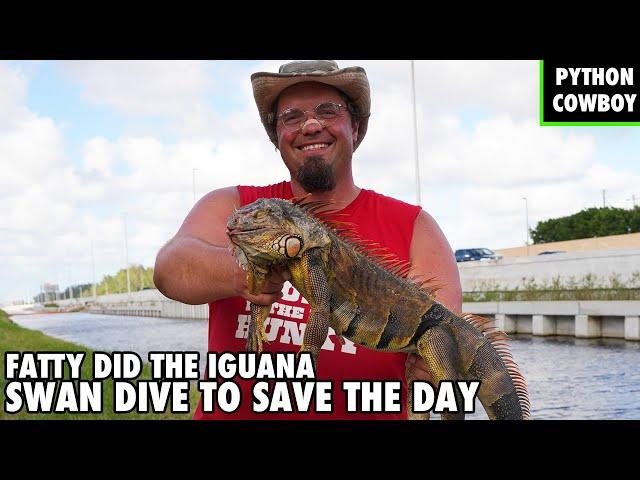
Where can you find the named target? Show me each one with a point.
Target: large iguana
(370, 301)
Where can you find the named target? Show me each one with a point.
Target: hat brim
(267, 86)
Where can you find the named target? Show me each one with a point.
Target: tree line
(140, 278)
(588, 223)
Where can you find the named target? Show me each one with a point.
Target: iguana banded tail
(370, 302)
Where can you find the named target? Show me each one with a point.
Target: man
(316, 114)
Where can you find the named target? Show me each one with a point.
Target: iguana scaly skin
(370, 301)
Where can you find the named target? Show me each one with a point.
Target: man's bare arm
(196, 267)
(432, 257)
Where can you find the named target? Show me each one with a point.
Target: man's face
(315, 168)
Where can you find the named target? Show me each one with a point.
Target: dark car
(468, 254)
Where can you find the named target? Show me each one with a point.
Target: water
(113, 333)
(568, 378)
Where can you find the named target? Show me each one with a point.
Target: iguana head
(272, 232)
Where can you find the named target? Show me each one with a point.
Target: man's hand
(417, 369)
(272, 290)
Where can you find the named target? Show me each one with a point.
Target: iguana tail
(471, 348)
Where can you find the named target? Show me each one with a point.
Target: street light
(526, 215)
(93, 272)
(126, 252)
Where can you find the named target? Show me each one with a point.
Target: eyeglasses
(325, 113)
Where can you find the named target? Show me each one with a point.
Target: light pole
(126, 252)
(69, 291)
(194, 184)
(93, 272)
(415, 134)
(526, 215)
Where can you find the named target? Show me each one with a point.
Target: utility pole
(633, 200)
(603, 199)
(415, 134)
(126, 253)
(69, 291)
(526, 215)
(93, 272)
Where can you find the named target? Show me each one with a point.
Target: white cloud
(503, 152)
(13, 90)
(142, 87)
(31, 148)
(98, 156)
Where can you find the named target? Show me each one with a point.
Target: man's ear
(356, 126)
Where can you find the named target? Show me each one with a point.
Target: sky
(87, 146)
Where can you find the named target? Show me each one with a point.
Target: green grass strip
(16, 338)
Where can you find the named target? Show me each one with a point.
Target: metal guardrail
(552, 295)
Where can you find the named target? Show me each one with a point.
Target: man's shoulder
(391, 204)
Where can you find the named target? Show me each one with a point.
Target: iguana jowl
(369, 302)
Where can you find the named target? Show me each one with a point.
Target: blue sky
(82, 143)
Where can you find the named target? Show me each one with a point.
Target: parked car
(468, 254)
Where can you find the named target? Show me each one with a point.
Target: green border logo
(573, 124)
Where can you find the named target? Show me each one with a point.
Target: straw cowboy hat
(352, 81)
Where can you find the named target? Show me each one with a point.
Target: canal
(568, 378)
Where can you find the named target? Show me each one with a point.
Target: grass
(588, 287)
(16, 338)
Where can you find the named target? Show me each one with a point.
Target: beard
(315, 175)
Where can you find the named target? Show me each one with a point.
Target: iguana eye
(292, 246)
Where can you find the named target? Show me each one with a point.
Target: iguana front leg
(256, 334)
(256, 278)
(309, 277)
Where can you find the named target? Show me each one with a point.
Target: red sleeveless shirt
(376, 217)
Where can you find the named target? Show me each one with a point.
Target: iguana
(369, 299)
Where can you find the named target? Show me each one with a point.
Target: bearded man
(316, 114)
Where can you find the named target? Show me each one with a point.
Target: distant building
(49, 292)
(612, 242)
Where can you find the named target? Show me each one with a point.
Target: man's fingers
(417, 368)
(264, 298)
(273, 285)
(281, 274)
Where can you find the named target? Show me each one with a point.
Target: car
(468, 254)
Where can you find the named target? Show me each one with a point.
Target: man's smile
(314, 148)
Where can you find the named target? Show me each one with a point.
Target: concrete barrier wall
(509, 273)
(148, 303)
(585, 319)
(629, 240)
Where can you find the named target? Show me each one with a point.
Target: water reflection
(573, 378)
(569, 378)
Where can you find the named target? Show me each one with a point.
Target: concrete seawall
(582, 319)
(145, 303)
(510, 272)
